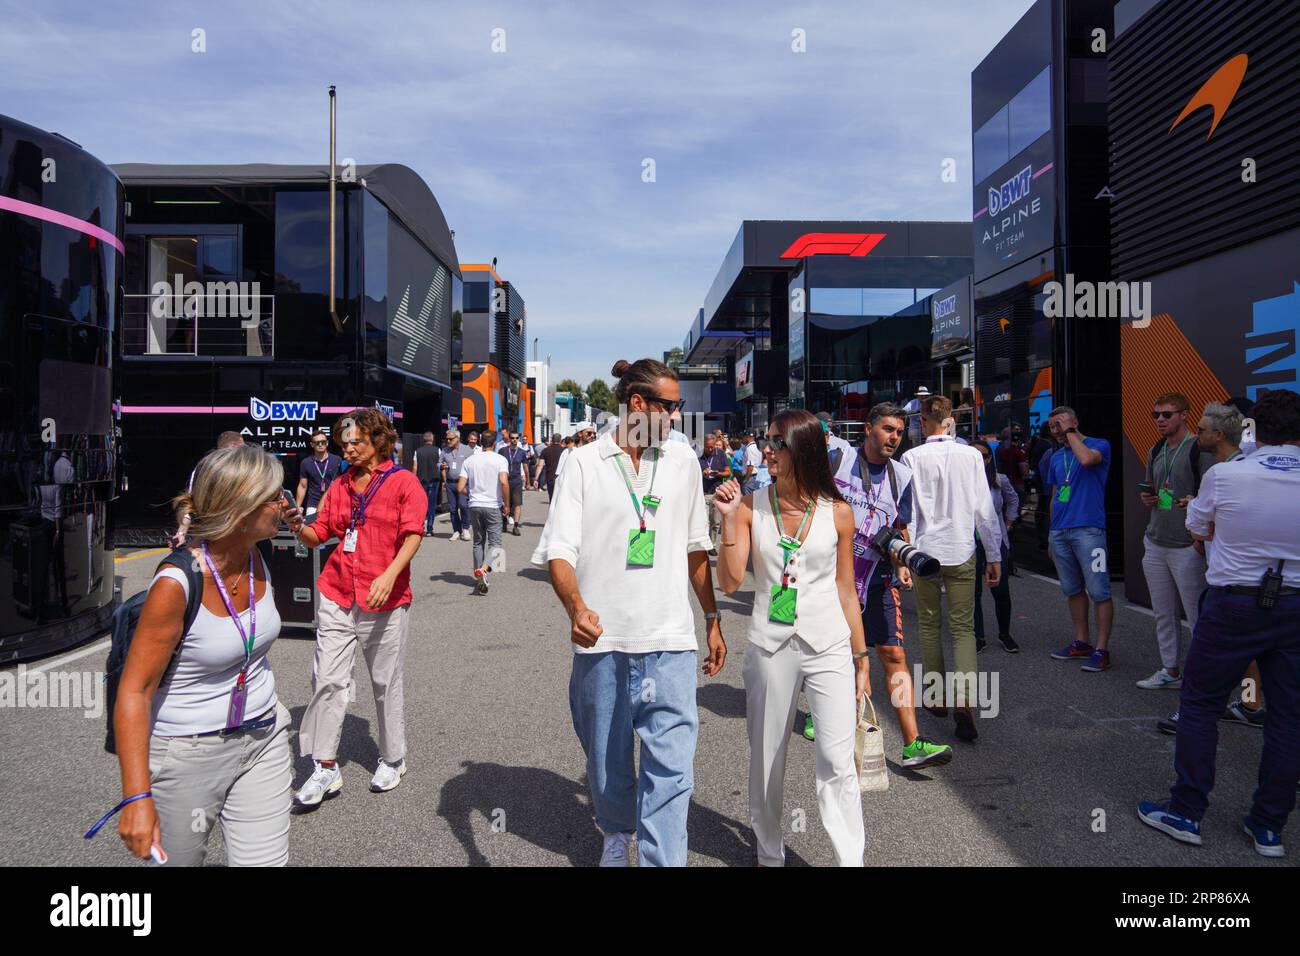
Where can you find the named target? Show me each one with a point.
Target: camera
(888, 541)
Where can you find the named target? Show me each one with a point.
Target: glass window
(1030, 111)
(836, 301)
(886, 301)
(219, 256)
(991, 145)
(476, 296)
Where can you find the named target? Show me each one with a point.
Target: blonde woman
(806, 629)
(201, 736)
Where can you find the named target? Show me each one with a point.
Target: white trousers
(772, 683)
(382, 637)
(1172, 574)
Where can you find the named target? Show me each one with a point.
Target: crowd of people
(834, 534)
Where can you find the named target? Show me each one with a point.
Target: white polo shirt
(951, 501)
(482, 473)
(1254, 506)
(642, 610)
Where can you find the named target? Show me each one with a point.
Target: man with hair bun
(626, 531)
(378, 511)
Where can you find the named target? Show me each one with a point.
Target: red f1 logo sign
(833, 244)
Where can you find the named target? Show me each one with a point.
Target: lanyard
(654, 470)
(788, 544)
(246, 637)
(361, 501)
(1235, 455)
(1069, 465)
(1169, 465)
(322, 472)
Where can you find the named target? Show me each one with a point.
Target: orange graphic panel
(480, 388)
(1159, 359)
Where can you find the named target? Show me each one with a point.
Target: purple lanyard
(246, 638)
(361, 501)
(322, 472)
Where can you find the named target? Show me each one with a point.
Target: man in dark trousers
(550, 462)
(428, 468)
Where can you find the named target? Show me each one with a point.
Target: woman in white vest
(806, 629)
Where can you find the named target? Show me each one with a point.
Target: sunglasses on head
(1155, 416)
(671, 406)
(773, 442)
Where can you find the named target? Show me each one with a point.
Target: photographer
(950, 502)
(1249, 509)
(880, 492)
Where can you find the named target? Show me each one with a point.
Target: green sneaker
(808, 728)
(922, 751)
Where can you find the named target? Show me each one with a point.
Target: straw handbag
(869, 750)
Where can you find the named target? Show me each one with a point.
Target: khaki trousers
(382, 637)
(959, 584)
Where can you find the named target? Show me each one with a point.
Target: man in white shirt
(485, 478)
(1250, 509)
(753, 459)
(950, 503)
(838, 449)
(584, 433)
(626, 531)
(915, 432)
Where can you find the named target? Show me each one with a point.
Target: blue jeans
(612, 695)
(431, 488)
(1074, 551)
(458, 505)
(1231, 631)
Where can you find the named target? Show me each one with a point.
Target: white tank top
(819, 617)
(195, 698)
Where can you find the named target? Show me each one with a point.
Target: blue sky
(535, 153)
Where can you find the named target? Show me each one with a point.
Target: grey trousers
(1174, 576)
(382, 636)
(486, 524)
(244, 781)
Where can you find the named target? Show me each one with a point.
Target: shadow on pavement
(535, 574)
(722, 699)
(451, 577)
(356, 745)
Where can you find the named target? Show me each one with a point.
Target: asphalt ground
(496, 775)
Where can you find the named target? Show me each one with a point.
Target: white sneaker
(387, 776)
(1161, 680)
(615, 850)
(323, 782)
(465, 536)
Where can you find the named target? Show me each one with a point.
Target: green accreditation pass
(640, 548)
(1063, 495)
(1165, 500)
(781, 610)
(640, 541)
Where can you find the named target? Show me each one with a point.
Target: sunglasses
(672, 406)
(773, 442)
(1156, 416)
(320, 443)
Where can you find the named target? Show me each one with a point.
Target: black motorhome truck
(61, 258)
(227, 320)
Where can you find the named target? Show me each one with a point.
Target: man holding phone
(1173, 564)
(716, 468)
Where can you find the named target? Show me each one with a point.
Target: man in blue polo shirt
(1076, 482)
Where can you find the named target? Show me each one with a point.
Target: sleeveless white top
(195, 697)
(819, 616)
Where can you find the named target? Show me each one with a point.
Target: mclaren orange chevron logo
(833, 243)
(1217, 92)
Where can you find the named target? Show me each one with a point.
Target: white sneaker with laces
(615, 850)
(465, 536)
(387, 776)
(1161, 680)
(323, 782)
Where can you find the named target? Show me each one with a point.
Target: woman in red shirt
(377, 512)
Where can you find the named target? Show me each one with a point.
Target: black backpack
(125, 619)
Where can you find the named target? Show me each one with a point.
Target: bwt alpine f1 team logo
(282, 411)
(1011, 192)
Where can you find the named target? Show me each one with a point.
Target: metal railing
(216, 323)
